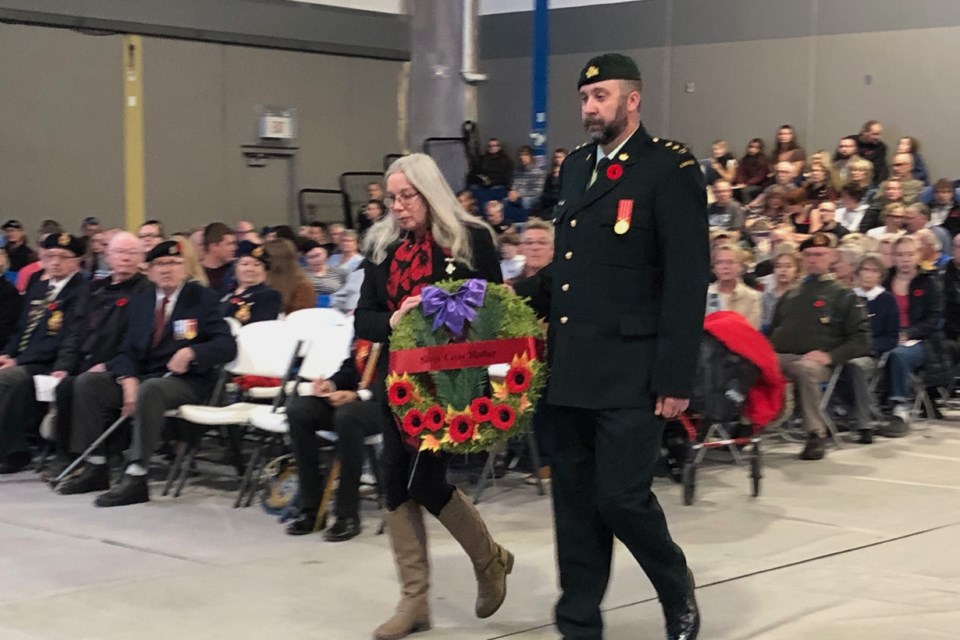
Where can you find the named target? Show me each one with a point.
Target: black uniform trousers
(352, 422)
(428, 487)
(602, 468)
(20, 413)
(98, 399)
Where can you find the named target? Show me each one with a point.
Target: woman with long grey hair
(426, 237)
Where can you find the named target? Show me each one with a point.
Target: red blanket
(765, 398)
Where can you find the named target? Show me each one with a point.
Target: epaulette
(686, 158)
(580, 147)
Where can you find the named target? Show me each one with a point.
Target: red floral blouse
(410, 269)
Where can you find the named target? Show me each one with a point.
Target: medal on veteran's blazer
(55, 321)
(185, 329)
(243, 313)
(624, 217)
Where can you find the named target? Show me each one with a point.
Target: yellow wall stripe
(133, 164)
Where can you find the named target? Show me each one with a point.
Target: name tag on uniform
(624, 216)
(184, 329)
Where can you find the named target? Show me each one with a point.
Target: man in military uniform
(52, 309)
(174, 341)
(627, 292)
(97, 339)
(816, 327)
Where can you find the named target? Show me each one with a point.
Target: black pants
(20, 413)
(602, 468)
(65, 416)
(352, 422)
(429, 486)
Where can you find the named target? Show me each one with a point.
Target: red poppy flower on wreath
(503, 417)
(819, 303)
(121, 302)
(434, 417)
(481, 408)
(917, 293)
(400, 392)
(518, 379)
(462, 428)
(614, 171)
(413, 422)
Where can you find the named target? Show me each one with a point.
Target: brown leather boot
(491, 562)
(408, 537)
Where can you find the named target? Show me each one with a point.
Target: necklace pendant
(450, 267)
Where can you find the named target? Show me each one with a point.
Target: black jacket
(11, 305)
(627, 301)
(59, 318)
(20, 256)
(257, 303)
(97, 339)
(194, 322)
(925, 308)
(372, 317)
(951, 300)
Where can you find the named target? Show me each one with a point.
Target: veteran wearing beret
(174, 341)
(252, 300)
(52, 309)
(627, 291)
(817, 326)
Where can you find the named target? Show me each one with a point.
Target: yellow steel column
(133, 171)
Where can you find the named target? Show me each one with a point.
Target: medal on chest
(55, 322)
(624, 217)
(243, 312)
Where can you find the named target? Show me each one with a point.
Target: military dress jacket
(629, 277)
(255, 304)
(195, 322)
(59, 318)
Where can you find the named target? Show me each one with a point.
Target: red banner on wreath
(463, 355)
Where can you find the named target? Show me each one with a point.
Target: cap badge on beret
(64, 239)
(173, 249)
(592, 71)
(257, 252)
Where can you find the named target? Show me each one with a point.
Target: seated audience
(827, 211)
(951, 295)
(191, 259)
(784, 181)
(338, 404)
(244, 231)
(536, 247)
(373, 212)
(910, 188)
(880, 303)
(374, 194)
(251, 300)
(729, 293)
(511, 260)
(774, 208)
(817, 326)
(326, 280)
(920, 311)
(844, 267)
(781, 239)
(94, 342)
(527, 180)
(785, 276)
(150, 234)
(174, 341)
(494, 168)
(335, 230)
(801, 214)
(52, 309)
(753, 172)
(219, 250)
(929, 247)
(819, 186)
(846, 151)
(725, 212)
(469, 203)
(723, 166)
(871, 147)
(551, 186)
(917, 218)
(89, 227)
(788, 150)
(11, 302)
(349, 261)
(19, 253)
(945, 210)
(892, 219)
(494, 217)
(348, 258)
(95, 258)
(852, 208)
(910, 146)
(287, 277)
(885, 248)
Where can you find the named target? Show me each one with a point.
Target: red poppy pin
(819, 303)
(917, 293)
(614, 171)
(121, 302)
(52, 306)
(234, 300)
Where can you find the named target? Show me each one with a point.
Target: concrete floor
(861, 545)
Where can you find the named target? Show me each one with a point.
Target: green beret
(63, 241)
(609, 66)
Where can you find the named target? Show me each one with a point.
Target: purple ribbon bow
(453, 309)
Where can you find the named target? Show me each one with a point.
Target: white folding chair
(264, 349)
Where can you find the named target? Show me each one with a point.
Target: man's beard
(607, 132)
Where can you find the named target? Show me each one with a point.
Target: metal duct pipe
(471, 30)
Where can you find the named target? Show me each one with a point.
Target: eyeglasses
(402, 198)
(125, 252)
(536, 243)
(167, 263)
(147, 236)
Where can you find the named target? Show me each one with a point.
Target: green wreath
(459, 409)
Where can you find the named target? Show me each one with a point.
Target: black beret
(12, 224)
(165, 248)
(609, 66)
(819, 239)
(253, 250)
(63, 241)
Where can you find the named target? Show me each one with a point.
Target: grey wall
(755, 65)
(61, 127)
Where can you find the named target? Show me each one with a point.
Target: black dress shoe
(866, 436)
(343, 529)
(683, 619)
(304, 523)
(131, 490)
(814, 450)
(92, 477)
(15, 463)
